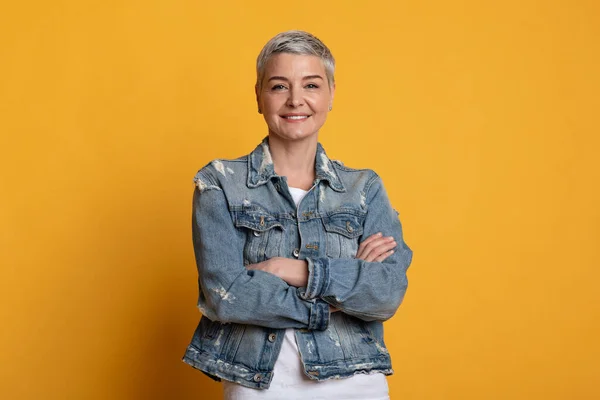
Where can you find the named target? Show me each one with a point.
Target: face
(295, 96)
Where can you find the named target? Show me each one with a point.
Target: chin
(294, 136)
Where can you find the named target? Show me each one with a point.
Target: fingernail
(379, 234)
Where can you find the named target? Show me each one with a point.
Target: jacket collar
(260, 167)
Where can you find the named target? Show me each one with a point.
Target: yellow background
(481, 116)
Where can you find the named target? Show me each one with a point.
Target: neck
(295, 160)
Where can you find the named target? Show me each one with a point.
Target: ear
(256, 92)
(332, 93)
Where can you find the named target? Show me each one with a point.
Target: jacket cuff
(319, 315)
(318, 278)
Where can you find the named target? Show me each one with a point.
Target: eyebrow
(304, 78)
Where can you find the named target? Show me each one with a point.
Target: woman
(300, 258)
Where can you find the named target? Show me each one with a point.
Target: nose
(295, 98)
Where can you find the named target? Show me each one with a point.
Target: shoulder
(343, 168)
(218, 171)
(355, 177)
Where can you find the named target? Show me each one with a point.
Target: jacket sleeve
(228, 291)
(366, 290)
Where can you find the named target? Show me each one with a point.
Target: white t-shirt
(290, 383)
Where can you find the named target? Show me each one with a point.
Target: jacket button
(296, 253)
(256, 233)
(349, 227)
(272, 337)
(257, 378)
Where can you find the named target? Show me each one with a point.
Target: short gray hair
(295, 42)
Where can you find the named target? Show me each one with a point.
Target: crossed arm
(299, 293)
(372, 285)
(295, 272)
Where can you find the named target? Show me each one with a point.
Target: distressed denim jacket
(243, 213)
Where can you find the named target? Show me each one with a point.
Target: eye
(279, 86)
(312, 86)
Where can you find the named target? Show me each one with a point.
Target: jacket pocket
(343, 228)
(264, 233)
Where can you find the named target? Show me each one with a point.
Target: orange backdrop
(481, 117)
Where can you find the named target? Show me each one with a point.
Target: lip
(286, 118)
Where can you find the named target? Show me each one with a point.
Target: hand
(293, 272)
(376, 248)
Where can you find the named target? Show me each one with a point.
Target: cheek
(320, 103)
(272, 104)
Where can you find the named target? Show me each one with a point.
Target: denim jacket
(243, 213)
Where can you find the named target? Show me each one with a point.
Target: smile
(295, 117)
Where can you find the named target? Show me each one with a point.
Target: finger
(375, 248)
(384, 256)
(370, 241)
(374, 255)
(371, 238)
(365, 242)
(381, 249)
(258, 266)
(375, 244)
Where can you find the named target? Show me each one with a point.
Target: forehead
(294, 65)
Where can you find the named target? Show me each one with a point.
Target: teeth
(297, 117)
